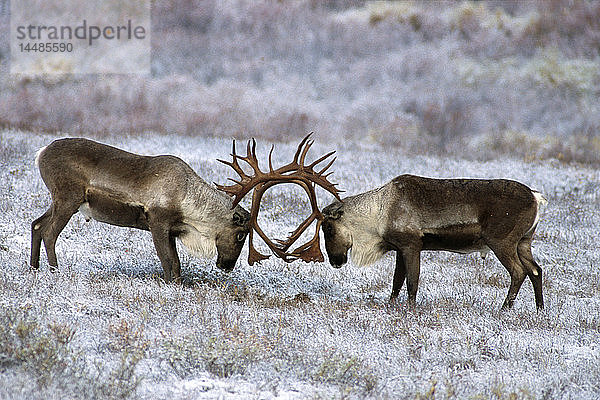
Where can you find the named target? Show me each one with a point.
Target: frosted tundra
(413, 213)
(161, 194)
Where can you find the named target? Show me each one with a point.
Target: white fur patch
(199, 244)
(365, 249)
(360, 225)
(86, 211)
(365, 255)
(541, 204)
(37, 156)
(539, 198)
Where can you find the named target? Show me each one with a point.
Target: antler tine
(333, 184)
(310, 251)
(233, 163)
(235, 167)
(235, 181)
(225, 162)
(270, 161)
(235, 157)
(248, 149)
(251, 158)
(254, 148)
(329, 164)
(240, 187)
(309, 143)
(299, 149)
(314, 163)
(325, 184)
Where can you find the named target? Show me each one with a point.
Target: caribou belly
(462, 239)
(114, 212)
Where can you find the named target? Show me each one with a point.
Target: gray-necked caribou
(161, 194)
(412, 213)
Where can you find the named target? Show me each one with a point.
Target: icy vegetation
(106, 326)
(473, 79)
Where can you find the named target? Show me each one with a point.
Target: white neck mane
(200, 243)
(366, 223)
(204, 209)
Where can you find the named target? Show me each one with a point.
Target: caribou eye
(241, 236)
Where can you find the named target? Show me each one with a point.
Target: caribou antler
(295, 172)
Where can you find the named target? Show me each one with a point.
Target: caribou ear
(241, 217)
(333, 211)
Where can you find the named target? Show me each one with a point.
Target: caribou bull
(161, 194)
(412, 213)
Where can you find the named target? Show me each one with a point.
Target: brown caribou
(413, 213)
(161, 194)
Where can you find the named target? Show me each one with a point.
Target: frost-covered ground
(106, 326)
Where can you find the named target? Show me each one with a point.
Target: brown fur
(161, 194)
(412, 213)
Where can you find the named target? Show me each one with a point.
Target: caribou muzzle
(225, 265)
(337, 261)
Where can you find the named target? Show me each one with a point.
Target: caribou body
(412, 213)
(161, 194)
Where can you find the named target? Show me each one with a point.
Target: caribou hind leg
(48, 229)
(59, 219)
(37, 227)
(508, 257)
(532, 270)
(50, 225)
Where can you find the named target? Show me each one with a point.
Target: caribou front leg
(399, 276)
